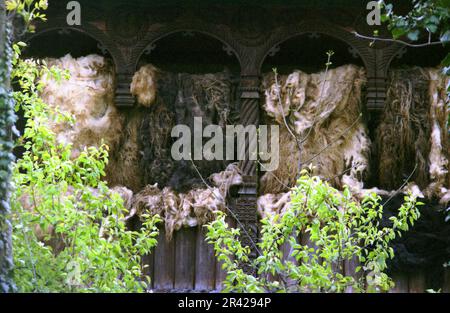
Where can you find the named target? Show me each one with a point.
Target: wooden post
(123, 96)
(185, 240)
(446, 286)
(204, 262)
(417, 282)
(350, 270)
(164, 261)
(245, 207)
(401, 283)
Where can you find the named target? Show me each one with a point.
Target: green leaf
(414, 35)
(445, 37)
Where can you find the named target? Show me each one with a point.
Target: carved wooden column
(245, 208)
(376, 83)
(123, 96)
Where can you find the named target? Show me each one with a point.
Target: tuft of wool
(195, 207)
(127, 197)
(224, 180)
(271, 204)
(144, 85)
(323, 112)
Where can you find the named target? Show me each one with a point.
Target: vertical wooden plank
(164, 263)
(205, 263)
(148, 263)
(185, 240)
(350, 270)
(446, 286)
(417, 282)
(401, 282)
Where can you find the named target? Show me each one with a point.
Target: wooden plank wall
(185, 263)
(416, 282)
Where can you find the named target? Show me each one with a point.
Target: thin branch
(334, 141)
(405, 43)
(271, 173)
(228, 209)
(401, 187)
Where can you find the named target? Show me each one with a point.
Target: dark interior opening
(190, 52)
(308, 53)
(430, 56)
(58, 43)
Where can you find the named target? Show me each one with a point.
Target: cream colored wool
(439, 151)
(231, 176)
(324, 113)
(197, 207)
(88, 96)
(271, 204)
(144, 85)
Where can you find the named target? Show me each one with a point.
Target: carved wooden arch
(104, 41)
(317, 26)
(153, 36)
(389, 54)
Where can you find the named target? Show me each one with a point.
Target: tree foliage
(339, 229)
(427, 19)
(69, 231)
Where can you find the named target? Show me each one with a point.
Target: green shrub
(339, 228)
(67, 203)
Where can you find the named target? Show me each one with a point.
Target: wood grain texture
(185, 240)
(164, 260)
(205, 262)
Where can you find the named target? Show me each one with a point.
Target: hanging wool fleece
(195, 207)
(87, 96)
(322, 113)
(167, 99)
(412, 138)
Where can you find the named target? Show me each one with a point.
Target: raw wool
(324, 112)
(155, 139)
(403, 134)
(209, 96)
(168, 99)
(413, 132)
(224, 180)
(271, 204)
(88, 96)
(144, 85)
(196, 207)
(127, 170)
(439, 150)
